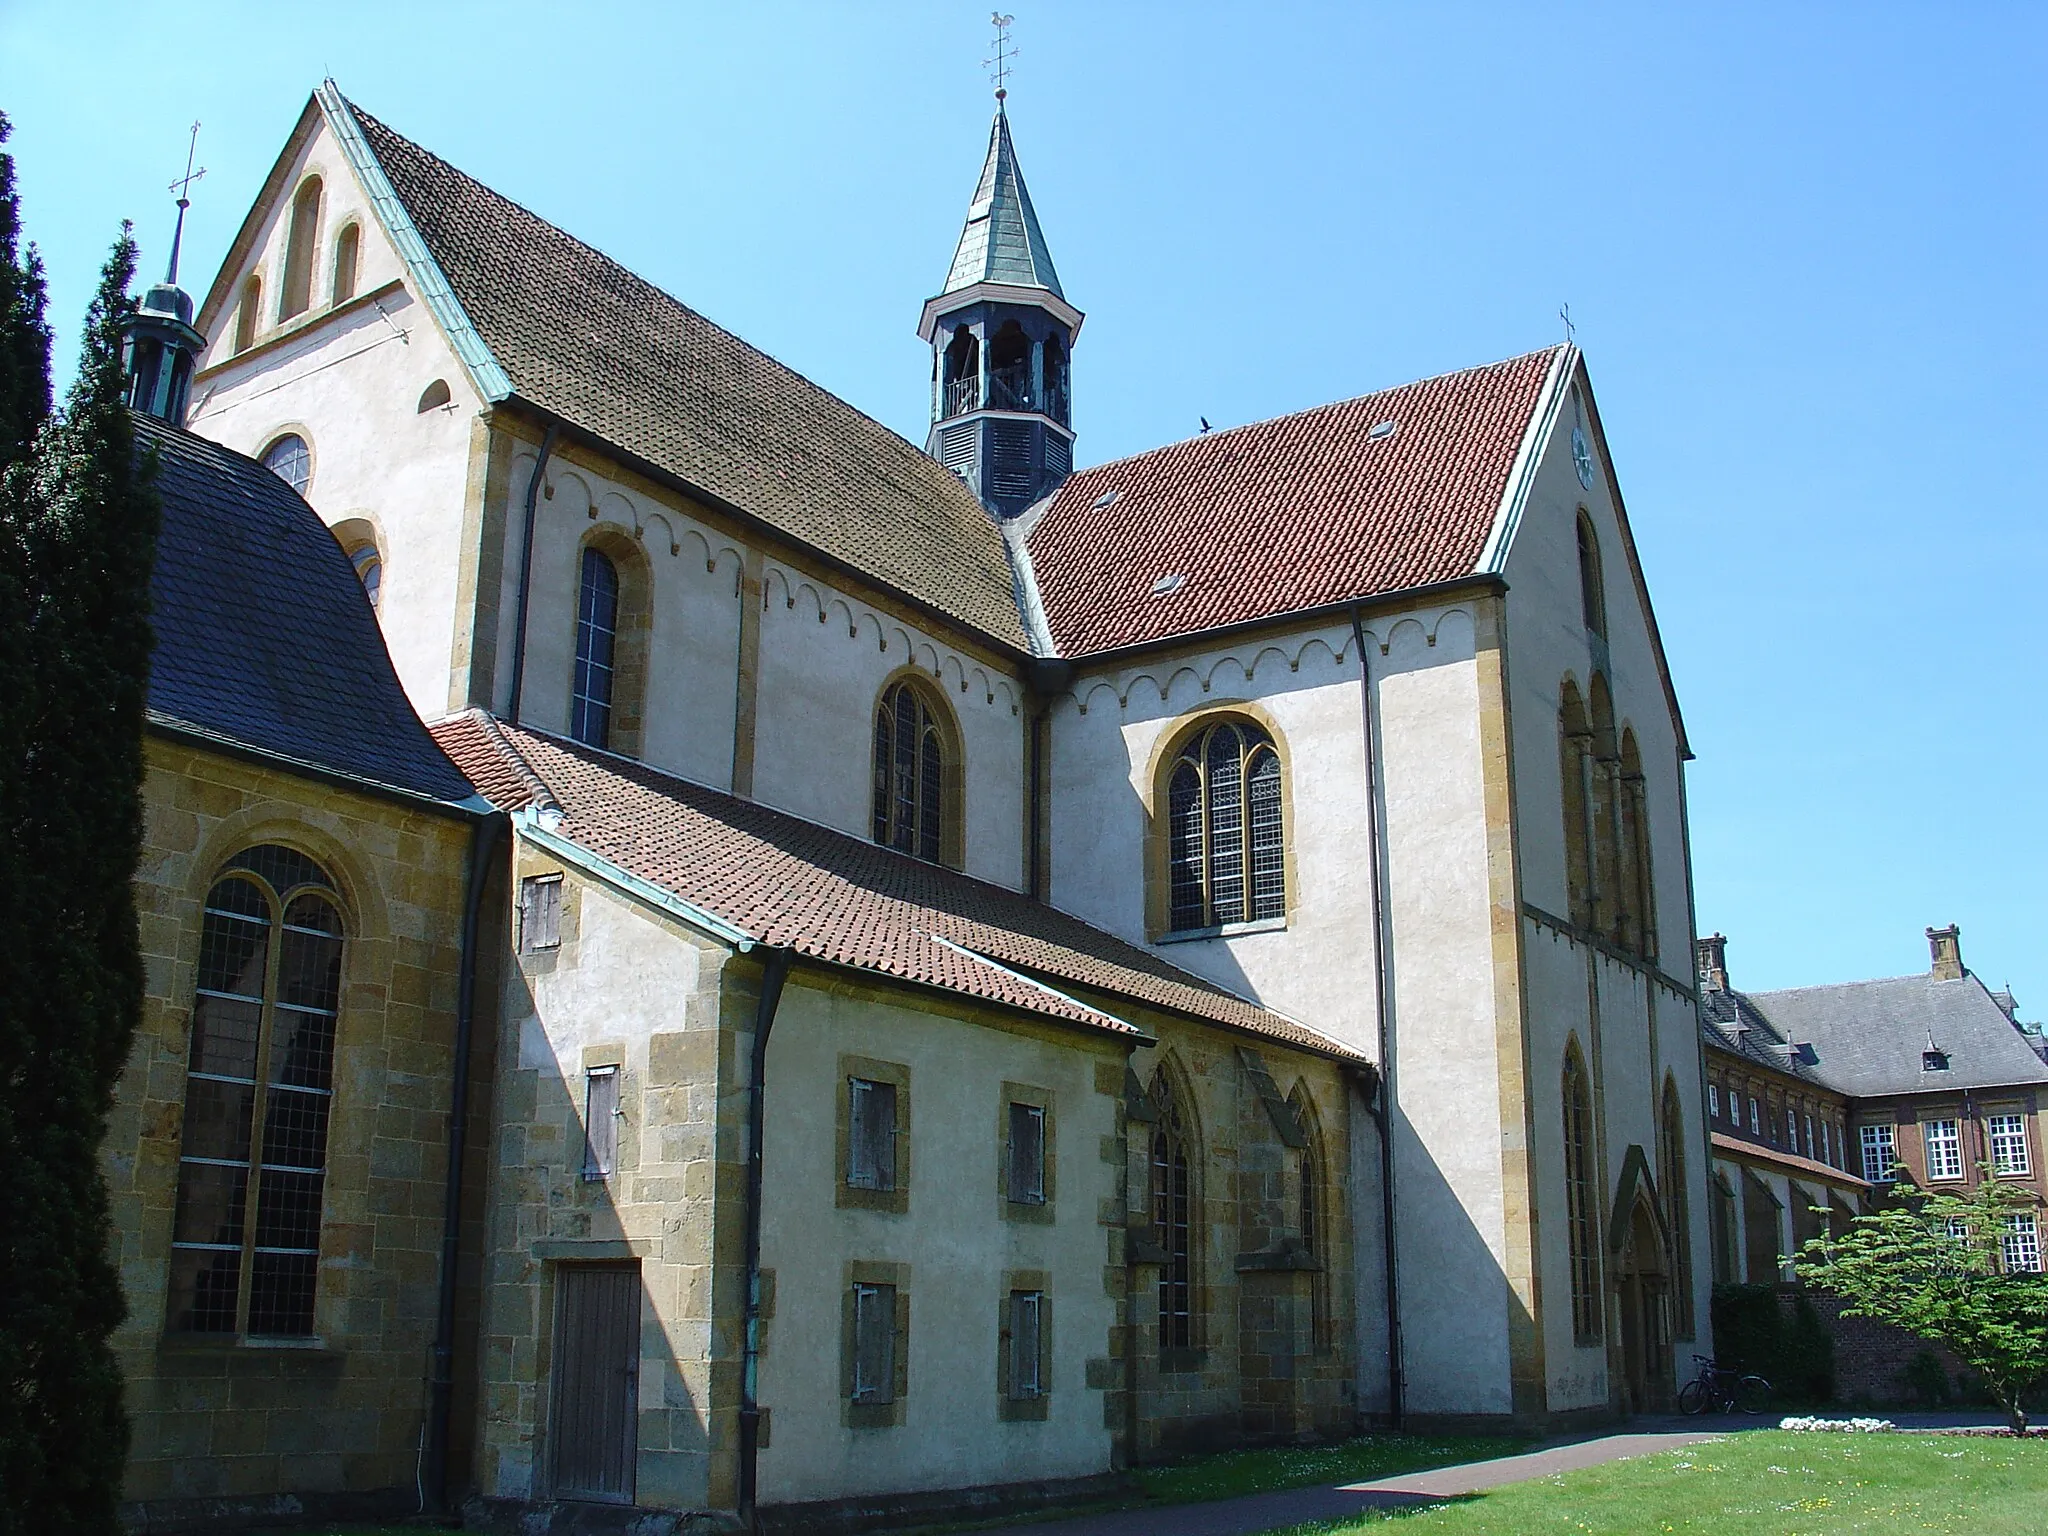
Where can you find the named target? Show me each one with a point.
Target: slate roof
(1001, 241)
(1286, 515)
(1869, 1035)
(838, 899)
(583, 339)
(264, 637)
(1728, 1019)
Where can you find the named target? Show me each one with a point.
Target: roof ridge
(1218, 434)
(524, 771)
(609, 260)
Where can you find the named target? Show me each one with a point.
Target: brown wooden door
(596, 1394)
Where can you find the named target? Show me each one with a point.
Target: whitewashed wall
(350, 385)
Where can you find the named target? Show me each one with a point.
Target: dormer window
(1932, 1060)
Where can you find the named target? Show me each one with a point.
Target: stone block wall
(336, 1418)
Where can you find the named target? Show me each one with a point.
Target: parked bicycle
(1723, 1390)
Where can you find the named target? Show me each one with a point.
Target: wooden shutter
(870, 1134)
(1027, 1154)
(874, 1343)
(600, 1122)
(1026, 1309)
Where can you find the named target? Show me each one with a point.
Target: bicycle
(1722, 1390)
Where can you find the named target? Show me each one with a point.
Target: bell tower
(160, 345)
(1001, 334)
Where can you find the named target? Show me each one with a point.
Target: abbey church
(707, 958)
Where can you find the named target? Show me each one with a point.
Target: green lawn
(1230, 1473)
(1766, 1483)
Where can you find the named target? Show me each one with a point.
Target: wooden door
(595, 1432)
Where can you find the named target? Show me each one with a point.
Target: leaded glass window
(252, 1168)
(1580, 1198)
(1226, 833)
(912, 778)
(291, 461)
(597, 638)
(1173, 1219)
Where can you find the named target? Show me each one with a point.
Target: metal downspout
(483, 840)
(540, 465)
(772, 978)
(1383, 998)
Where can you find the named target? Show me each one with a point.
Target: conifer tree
(78, 536)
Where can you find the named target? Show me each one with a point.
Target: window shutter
(870, 1134)
(540, 912)
(1025, 1309)
(600, 1122)
(1027, 1154)
(874, 1343)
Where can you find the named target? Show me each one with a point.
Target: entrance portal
(1643, 1278)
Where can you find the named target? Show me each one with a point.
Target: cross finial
(998, 65)
(183, 187)
(1571, 332)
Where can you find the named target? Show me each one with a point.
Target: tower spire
(161, 346)
(1001, 333)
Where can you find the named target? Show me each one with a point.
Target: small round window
(291, 461)
(370, 568)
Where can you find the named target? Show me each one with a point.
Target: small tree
(1934, 1265)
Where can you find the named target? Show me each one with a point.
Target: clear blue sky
(1803, 245)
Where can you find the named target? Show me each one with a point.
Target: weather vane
(183, 187)
(999, 65)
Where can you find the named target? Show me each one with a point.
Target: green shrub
(1755, 1330)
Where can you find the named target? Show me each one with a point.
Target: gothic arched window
(1592, 586)
(295, 295)
(347, 247)
(1173, 1217)
(914, 775)
(1677, 1215)
(1581, 1196)
(597, 633)
(248, 314)
(252, 1168)
(1226, 838)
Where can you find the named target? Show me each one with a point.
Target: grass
(1765, 1483)
(1230, 1473)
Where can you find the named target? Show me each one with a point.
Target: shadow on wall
(583, 1397)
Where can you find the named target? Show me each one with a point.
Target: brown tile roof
(1285, 515)
(583, 339)
(835, 898)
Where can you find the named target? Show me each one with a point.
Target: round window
(291, 461)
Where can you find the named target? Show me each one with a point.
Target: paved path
(1271, 1511)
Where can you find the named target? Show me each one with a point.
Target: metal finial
(1571, 332)
(183, 186)
(998, 65)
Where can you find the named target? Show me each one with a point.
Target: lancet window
(913, 774)
(1173, 1217)
(1581, 1191)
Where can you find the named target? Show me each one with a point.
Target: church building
(992, 972)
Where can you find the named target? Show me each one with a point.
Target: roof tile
(835, 898)
(1285, 515)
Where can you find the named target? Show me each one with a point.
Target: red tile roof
(835, 898)
(1791, 1160)
(1286, 515)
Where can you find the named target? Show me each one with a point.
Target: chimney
(1710, 962)
(1946, 946)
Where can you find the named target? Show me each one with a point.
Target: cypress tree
(80, 539)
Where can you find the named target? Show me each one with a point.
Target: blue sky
(1803, 245)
